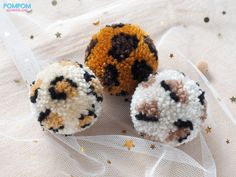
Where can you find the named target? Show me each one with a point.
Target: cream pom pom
(66, 97)
(169, 108)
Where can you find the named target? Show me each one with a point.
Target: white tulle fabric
(86, 154)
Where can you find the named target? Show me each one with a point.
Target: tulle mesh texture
(99, 151)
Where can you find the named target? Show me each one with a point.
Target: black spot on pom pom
(57, 79)
(91, 113)
(60, 95)
(202, 98)
(174, 96)
(151, 46)
(34, 97)
(122, 93)
(90, 47)
(91, 88)
(80, 65)
(72, 83)
(56, 129)
(56, 95)
(86, 125)
(88, 77)
(98, 98)
(118, 25)
(43, 115)
(33, 82)
(183, 124)
(81, 117)
(183, 138)
(122, 45)
(143, 117)
(141, 70)
(167, 88)
(110, 76)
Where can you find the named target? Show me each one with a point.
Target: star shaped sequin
(81, 149)
(18, 81)
(227, 141)
(108, 161)
(58, 35)
(233, 99)
(129, 144)
(152, 146)
(208, 129)
(96, 23)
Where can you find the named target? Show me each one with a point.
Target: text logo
(18, 7)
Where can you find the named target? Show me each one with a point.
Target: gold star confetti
(19, 81)
(227, 141)
(152, 146)
(81, 149)
(96, 23)
(124, 131)
(208, 129)
(233, 99)
(171, 55)
(129, 144)
(108, 161)
(54, 2)
(58, 35)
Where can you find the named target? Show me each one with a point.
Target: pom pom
(169, 108)
(66, 97)
(121, 56)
